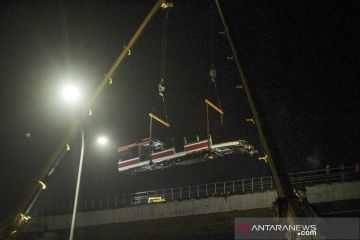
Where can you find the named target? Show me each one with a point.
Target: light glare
(71, 93)
(102, 140)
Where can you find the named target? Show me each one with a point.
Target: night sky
(301, 60)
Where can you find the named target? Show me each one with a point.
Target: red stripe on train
(196, 146)
(131, 162)
(163, 154)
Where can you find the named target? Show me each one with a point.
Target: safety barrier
(199, 191)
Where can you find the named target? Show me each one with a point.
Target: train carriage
(152, 154)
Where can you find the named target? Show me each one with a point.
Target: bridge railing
(199, 191)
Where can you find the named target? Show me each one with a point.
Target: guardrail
(224, 188)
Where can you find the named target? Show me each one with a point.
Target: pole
(13, 223)
(77, 185)
(208, 128)
(282, 183)
(150, 128)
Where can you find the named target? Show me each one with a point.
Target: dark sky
(301, 60)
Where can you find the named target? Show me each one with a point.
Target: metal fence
(199, 191)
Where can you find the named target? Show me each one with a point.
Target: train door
(145, 152)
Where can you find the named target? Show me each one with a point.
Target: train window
(129, 154)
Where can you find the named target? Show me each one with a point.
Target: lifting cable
(208, 103)
(161, 85)
(212, 44)
(213, 80)
(212, 74)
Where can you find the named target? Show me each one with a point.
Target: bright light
(42, 184)
(24, 217)
(71, 93)
(102, 140)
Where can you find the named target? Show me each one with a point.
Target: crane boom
(281, 179)
(10, 227)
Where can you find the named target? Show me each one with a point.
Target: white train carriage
(151, 154)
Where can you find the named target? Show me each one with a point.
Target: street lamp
(102, 140)
(71, 93)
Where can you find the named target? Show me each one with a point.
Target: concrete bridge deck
(330, 195)
(214, 214)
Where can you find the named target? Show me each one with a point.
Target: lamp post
(72, 94)
(73, 218)
(102, 141)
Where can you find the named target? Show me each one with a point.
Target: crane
(11, 226)
(288, 203)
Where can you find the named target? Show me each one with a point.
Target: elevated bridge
(195, 210)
